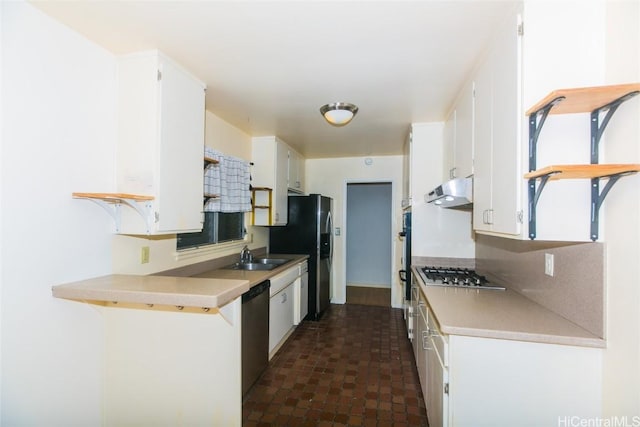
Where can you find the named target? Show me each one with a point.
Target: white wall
(329, 177)
(58, 116)
(436, 232)
(621, 368)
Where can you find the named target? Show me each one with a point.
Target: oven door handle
(403, 275)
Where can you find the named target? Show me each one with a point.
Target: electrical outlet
(144, 255)
(548, 264)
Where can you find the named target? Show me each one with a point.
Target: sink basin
(251, 266)
(276, 261)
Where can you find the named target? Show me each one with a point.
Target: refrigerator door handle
(329, 229)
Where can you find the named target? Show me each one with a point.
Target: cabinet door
(449, 147)
(463, 153)
(280, 190)
(422, 337)
(438, 396)
(271, 163)
(181, 150)
(406, 171)
(483, 160)
(497, 112)
(280, 316)
(507, 179)
(160, 143)
(295, 169)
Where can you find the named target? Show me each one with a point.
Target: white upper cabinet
(497, 137)
(458, 136)
(463, 160)
(449, 147)
(406, 171)
(295, 175)
(161, 112)
(270, 169)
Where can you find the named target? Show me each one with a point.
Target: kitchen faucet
(245, 255)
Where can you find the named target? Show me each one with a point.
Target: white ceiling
(269, 66)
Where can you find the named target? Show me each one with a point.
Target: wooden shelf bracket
(578, 100)
(112, 204)
(536, 121)
(598, 127)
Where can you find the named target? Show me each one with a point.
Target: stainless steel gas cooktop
(455, 277)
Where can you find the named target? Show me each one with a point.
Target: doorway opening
(369, 244)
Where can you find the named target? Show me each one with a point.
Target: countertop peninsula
(501, 315)
(210, 289)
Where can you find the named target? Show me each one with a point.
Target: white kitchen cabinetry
(270, 168)
(431, 353)
(406, 171)
(476, 381)
(497, 186)
(495, 382)
(281, 307)
(421, 338)
(295, 176)
(160, 147)
(436, 390)
(458, 136)
(301, 293)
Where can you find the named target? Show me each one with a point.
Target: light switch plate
(144, 255)
(548, 264)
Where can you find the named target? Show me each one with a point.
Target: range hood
(456, 193)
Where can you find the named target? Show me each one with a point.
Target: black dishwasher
(255, 333)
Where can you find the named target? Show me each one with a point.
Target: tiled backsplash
(577, 289)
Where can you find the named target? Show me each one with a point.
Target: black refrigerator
(309, 231)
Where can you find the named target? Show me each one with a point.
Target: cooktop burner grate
(455, 277)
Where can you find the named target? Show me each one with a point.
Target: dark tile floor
(354, 367)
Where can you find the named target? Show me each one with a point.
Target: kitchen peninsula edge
(210, 289)
(172, 347)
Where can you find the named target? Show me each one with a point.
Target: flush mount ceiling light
(338, 113)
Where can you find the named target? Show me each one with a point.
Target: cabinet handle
(284, 298)
(487, 216)
(452, 173)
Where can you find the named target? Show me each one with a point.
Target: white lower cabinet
(437, 374)
(474, 381)
(431, 353)
(301, 294)
(281, 307)
(280, 316)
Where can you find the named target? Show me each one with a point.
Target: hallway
(354, 367)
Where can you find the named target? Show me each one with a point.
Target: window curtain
(227, 183)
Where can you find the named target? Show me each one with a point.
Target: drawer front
(439, 343)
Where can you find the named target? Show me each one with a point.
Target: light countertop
(211, 289)
(501, 315)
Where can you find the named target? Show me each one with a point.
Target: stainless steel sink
(276, 261)
(251, 266)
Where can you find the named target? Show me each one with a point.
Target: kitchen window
(219, 227)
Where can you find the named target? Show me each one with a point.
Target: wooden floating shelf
(583, 100)
(211, 160)
(557, 172)
(211, 196)
(114, 197)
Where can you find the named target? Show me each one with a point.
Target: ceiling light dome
(338, 113)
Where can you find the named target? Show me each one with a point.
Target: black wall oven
(405, 272)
